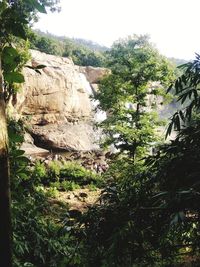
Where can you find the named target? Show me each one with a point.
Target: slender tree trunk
(5, 213)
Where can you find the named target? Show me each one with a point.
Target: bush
(77, 173)
(65, 185)
(54, 171)
(39, 173)
(52, 192)
(64, 175)
(68, 186)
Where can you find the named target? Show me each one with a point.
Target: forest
(146, 210)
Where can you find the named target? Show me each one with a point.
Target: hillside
(83, 52)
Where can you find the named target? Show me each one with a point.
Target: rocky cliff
(57, 104)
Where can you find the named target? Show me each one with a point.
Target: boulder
(56, 104)
(31, 149)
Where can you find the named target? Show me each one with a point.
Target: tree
(124, 94)
(15, 16)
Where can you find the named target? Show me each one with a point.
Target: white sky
(173, 25)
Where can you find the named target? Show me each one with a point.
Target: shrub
(54, 170)
(77, 173)
(52, 192)
(68, 186)
(39, 173)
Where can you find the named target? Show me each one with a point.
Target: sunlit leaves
(10, 61)
(13, 77)
(10, 58)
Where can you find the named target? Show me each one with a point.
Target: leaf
(38, 72)
(177, 123)
(182, 115)
(38, 67)
(9, 51)
(15, 138)
(17, 27)
(184, 79)
(18, 152)
(161, 194)
(23, 175)
(183, 66)
(183, 97)
(10, 58)
(23, 159)
(14, 77)
(188, 113)
(169, 129)
(170, 88)
(38, 6)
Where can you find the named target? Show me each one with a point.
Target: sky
(173, 25)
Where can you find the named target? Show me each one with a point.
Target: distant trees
(124, 94)
(46, 45)
(83, 53)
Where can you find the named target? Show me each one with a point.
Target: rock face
(56, 103)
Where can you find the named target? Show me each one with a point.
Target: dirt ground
(79, 199)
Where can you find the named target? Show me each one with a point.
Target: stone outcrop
(31, 149)
(94, 75)
(56, 103)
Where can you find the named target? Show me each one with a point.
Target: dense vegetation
(82, 52)
(148, 213)
(41, 237)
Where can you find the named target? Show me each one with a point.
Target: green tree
(48, 46)
(15, 17)
(124, 94)
(81, 53)
(151, 216)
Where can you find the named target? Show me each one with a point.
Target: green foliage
(46, 45)
(186, 89)
(52, 192)
(65, 185)
(39, 173)
(149, 213)
(81, 53)
(54, 168)
(78, 174)
(149, 217)
(18, 162)
(64, 175)
(92, 187)
(38, 239)
(124, 94)
(15, 17)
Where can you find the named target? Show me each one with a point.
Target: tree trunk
(5, 213)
